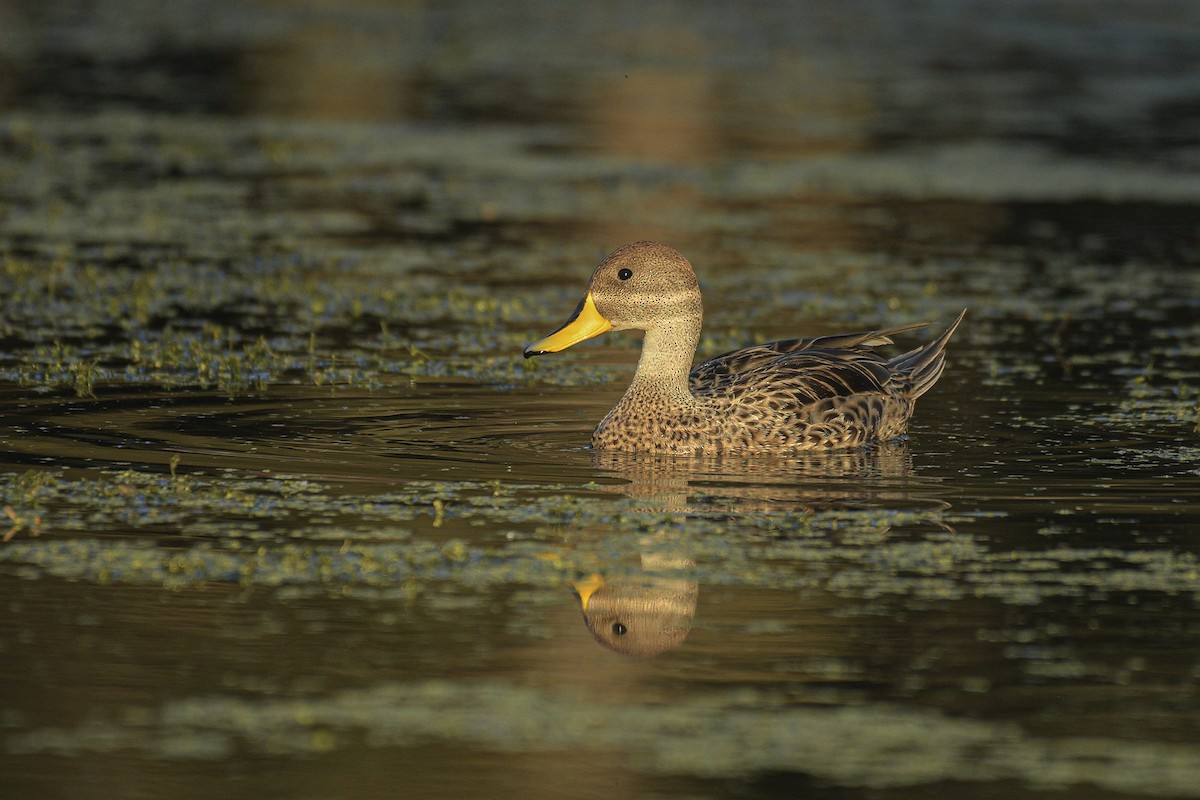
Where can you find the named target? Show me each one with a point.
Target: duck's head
(641, 286)
(640, 615)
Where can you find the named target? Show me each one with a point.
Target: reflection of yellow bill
(585, 323)
(586, 587)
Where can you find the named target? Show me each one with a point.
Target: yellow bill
(585, 323)
(586, 587)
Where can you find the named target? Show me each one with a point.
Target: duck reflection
(817, 480)
(649, 610)
(642, 614)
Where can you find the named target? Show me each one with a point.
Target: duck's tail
(924, 365)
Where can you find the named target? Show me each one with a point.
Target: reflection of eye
(619, 629)
(625, 274)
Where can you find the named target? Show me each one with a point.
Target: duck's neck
(666, 361)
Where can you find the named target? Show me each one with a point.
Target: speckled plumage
(797, 394)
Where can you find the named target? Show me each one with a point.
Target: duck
(784, 396)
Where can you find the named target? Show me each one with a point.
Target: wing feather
(756, 356)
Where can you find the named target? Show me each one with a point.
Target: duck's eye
(625, 274)
(619, 629)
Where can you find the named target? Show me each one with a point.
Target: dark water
(287, 514)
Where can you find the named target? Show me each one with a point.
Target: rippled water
(289, 515)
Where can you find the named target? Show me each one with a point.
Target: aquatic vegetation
(730, 734)
(279, 530)
(266, 323)
(278, 488)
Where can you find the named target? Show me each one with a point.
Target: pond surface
(288, 515)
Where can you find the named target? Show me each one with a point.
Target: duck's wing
(923, 366)
(751, 359)
(800, 377)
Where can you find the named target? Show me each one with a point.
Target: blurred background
(681, 81)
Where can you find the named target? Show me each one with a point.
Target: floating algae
(726, 735)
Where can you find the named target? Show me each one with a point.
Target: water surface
(288, 514)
